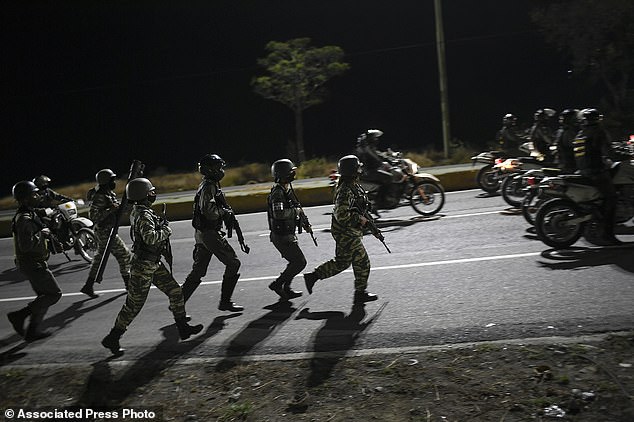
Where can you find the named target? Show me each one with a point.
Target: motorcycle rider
(564, 138)
(103, 212)
(541, 133)
(592, 147)
(283, 214)
(509, 140)
(30, 238)
(372, 158)
(48, 197)
(347, 230)
(210, 211)
(150, 234)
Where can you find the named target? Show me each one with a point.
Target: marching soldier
(347, 230)
(48, 197)
(150, 234)
(210, 210)
(103, 212)
(30, 237)
(283, 214)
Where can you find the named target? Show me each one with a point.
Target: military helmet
(349, 165)
(543, 114)
(138, 189)
(42, 181)
(211, 165)
(283, 170)
(509, 119)
(569, 117)
(23, 190)
(104, 176)
(590, 117)
(370, 136)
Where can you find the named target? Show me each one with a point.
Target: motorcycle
(69, 231)
(423, 191)
(576, 205)
(497, 166)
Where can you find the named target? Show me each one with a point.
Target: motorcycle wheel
(486, 179)
(87, 244)
(427, 197)
(551, 227)
(512, 191)
(530, 206)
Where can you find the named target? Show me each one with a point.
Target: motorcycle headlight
(414, 168)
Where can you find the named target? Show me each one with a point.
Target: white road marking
(273, 277)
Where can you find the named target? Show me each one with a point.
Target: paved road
(474, 273)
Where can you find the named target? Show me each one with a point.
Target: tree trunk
(299, 136)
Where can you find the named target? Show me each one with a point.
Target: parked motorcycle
(69, 231)
(423, 191)
(577, 205)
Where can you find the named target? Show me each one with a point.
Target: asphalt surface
(473, 273)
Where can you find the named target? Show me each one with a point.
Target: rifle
(136, 170)
(376, 232)
(303, 218)
(167, 250)
(231, 222)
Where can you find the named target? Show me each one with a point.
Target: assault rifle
(136, 170)
(303, 222)
(231, 222)
(376, 232)
(167, 250)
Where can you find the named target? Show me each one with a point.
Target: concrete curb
(248, 199)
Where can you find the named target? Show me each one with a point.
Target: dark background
(87, 85)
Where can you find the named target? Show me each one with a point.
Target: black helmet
(543, 114)
(42, 181)
(590, 117)
(370, 136)
(104, 176)
(211, 165)
(509, 119)
(138, 189)
(23, 190)
(283, 170)
(349, 165)
(569, 117)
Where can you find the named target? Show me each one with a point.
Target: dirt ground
(592, 381)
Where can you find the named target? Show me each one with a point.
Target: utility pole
(442, 73)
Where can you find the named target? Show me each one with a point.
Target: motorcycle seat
(529, 160)
(548, 171)
(579, 179)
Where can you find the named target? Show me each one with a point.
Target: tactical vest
(42, 253)
(280, 226)
(199, 221)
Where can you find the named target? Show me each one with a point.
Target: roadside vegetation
(247, 174)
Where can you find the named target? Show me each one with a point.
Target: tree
(599, 38)
(296, 77)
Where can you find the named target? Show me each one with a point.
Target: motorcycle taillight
(499, 160)
(531, 181)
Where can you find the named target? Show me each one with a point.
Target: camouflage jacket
(103, 209)
(148, 233)
(350, 201)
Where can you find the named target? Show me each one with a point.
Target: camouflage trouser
(142, 275)
(119, 250)
(349, 250)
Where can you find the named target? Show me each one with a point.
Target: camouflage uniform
(103, 212)
(210, 241)
(150, 236)
(348, 234)
(31, 254)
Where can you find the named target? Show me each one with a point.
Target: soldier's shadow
(103, 390)
(580, 258)
(68, 267)
(256, 332)
(11, 276)
(56, 322)
(334, 339)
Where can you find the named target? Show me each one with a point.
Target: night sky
(87, 84)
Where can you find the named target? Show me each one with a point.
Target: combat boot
(276, 286)
(362, 296)
(227, 305)
(290, 293)
(88, 288)
(17, 319)
(226, 291)
(310, 279)
(111, 341)
(185, 330)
